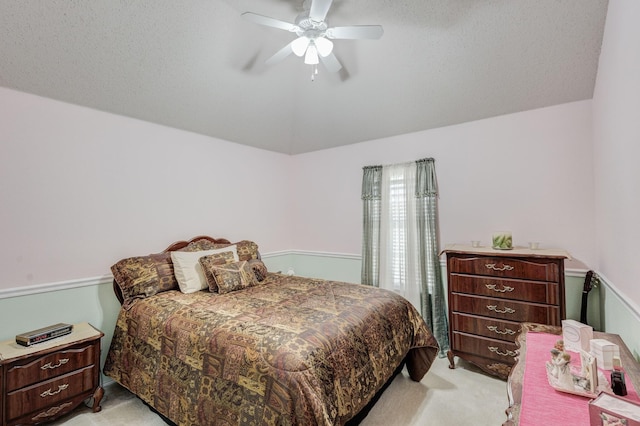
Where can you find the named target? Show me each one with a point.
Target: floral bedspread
(291, 351)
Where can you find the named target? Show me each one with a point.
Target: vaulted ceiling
(198, 65)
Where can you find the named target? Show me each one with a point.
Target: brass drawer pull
(504, 289)
(504, 267)
(506, 310)
(497, 351)
(60, 363)
(49, 393)
(494, 328)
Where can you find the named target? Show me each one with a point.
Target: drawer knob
(494, 328)
(495, 268)
(497, 351)
(60, 363)
(504, 289)
(506, 310)
(48, 392)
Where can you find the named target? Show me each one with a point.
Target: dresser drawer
(24, 373)
(488, 327)
(50, 392)
(530, 291)
(505, 309)
(489, 348)
(531, 269)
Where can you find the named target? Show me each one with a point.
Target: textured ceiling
(197, 65)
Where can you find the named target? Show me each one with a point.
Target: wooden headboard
(173, 247)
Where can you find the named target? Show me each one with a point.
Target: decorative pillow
(188, 271)
(144, 276)
(247, 250)
(201, 245)
(207, 262)
(233, 276)
(259, 269)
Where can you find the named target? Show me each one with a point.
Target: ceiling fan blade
(280, 54)
(319, 9)
(354, 32)
(269, 22)
(331, 63)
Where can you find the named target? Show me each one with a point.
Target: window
(398, 237)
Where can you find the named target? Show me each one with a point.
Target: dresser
(46, 380)
(490, 292)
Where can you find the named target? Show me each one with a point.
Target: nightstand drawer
(505, 309)
(50, 392)
(531, 269)
(529, 291)
(25, 373)
(488, 348)
(488, 327)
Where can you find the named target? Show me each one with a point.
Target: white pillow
(188, 271)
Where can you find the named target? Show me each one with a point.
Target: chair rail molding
(55, 286)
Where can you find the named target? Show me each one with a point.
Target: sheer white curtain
(399, 244)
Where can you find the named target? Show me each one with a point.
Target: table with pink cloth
(542, 404)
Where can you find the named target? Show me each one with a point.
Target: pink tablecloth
(541, 404)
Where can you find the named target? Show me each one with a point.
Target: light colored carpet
(463, 396)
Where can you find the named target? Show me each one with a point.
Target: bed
(284, 350)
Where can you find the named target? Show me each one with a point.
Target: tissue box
(604, 351)
(609, 409)
(576, 336)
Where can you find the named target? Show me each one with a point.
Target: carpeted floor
(463, 396)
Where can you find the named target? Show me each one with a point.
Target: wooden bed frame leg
(97, 397)
(452, 364)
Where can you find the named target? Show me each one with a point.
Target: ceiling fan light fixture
(314, 40)
(311, 58)
(299, 45)
(325, 46)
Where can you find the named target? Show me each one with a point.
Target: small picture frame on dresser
(589, 372)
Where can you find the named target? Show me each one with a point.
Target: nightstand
(47, 380)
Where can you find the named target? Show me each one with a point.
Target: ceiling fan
(315, 35)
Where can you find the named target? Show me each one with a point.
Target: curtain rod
(422, 160)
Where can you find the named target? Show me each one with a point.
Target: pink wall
(616, 112)
(82, 189)
(530, 173)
